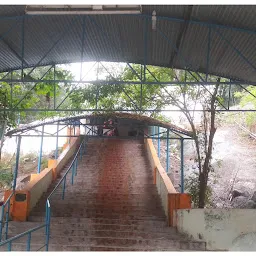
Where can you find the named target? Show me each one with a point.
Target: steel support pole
(182, 164)
(16, 163)
(22, 48)
(57, 142)
(54, 78)
(167, 151)
(158, 144)
(11, 89)
(40, 152)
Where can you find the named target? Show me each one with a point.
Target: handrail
(6, 215)
(73, 165)
(28, 232)
(9, 198)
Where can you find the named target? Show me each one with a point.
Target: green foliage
(44, 163)
(122, 96)
(247, 99)
(6, 178)
(31, 95)
(192, 187)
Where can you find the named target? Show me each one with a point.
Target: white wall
(221, 229)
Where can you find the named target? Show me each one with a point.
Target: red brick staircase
(112, 206)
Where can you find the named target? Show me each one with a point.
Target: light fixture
(154, 20)
(82, 9)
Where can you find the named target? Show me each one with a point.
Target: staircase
(112, 206)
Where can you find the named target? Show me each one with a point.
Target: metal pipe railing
(72, 166)
(5, 215)
(28, 233)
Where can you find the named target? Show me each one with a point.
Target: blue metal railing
(46, 225)
(73, 168)
(27, 233)
(5, 214)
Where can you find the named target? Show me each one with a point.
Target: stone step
(79, 234)
(105, 204)
(101, 214)
(19, 227)
(101, 190)
(125, 243)
(101, 220)
(22, 247)
(58, 211)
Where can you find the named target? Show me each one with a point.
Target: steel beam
(208, 53)
(57, 142)
(182, 164)
(67, 30)
(111, 82)
(167, 152)
(158, 144)
(119, 110)
(16, 164)
(41, 151)
(239, 53)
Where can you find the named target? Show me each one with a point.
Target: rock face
(239, 202)
(243, 203)
(254, 197)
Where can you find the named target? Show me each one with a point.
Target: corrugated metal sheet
(132, 118)
(121, 38)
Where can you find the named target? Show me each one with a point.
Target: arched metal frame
(226, 36)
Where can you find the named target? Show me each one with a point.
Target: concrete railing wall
(170, 198)
(39, 183)
(221, 229)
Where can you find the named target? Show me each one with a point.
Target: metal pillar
(167, 151)
(57, 141)
(40, 152)
(182, 164)
(158, 144)
(16, 163)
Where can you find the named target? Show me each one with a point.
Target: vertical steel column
(54, 78)
(70, 132)
(73, 172)
(229, 95)
(63, 188)
(141, 87)
(97, 86)
(82, 49)
(22, 47)
(57, 141)
(182, 164)
(16, 163)
(11, 89)
(167, 151)
(208, 53)
(158, 144)
(40, 152)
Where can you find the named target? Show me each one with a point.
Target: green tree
(248, 99)
(137, 97)
(38, 94)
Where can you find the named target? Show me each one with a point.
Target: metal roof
(183, 37)
(99, 118)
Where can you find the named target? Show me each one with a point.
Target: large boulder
(251, 204)
(243, 203)
(236, 193)
(239, 202)
(253, 198)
